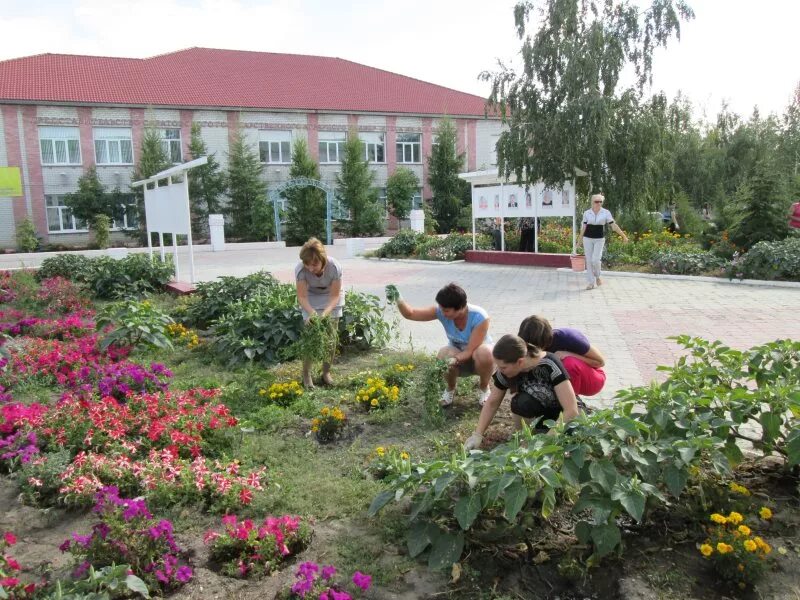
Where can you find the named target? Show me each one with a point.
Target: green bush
(769, 260)
(134, 323)
(133, 276)
(75, 267)
(362, 325)
(403, 244)
(679, 263)
(27, 240)
(101, 225)
(212, 299)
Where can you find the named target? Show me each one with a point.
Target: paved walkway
(628, 318)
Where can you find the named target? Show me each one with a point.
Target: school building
(62, 114)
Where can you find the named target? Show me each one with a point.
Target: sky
(741, 52)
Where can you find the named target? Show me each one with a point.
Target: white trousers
(593, 249)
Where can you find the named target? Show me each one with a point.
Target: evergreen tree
(401, 187)
(206, 184)
(91, 201)
(152, 159)
(305, 209)
(251, 217)
(761, 207)
(356, 192)
(444, 165)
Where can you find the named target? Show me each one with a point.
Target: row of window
(61, 220)
(114, 146)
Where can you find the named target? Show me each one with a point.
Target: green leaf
(497, 486)
(419, 537)
(771, 423)
(675, 478)
(137, 585)
(446, 550)
(793, 448)
(605, 473)
(442, 482)
(467, 508)
(583, 531)
(605, 538)
(515, 496)
(733, 453)
(548, 501)
(380, 501)
(632, 500)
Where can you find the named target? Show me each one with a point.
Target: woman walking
(319, 292)
(593, 238)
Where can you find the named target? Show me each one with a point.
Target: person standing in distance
(319, 292)
(593, 238)
(469, 346)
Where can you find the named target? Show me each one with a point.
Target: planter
(578, 262)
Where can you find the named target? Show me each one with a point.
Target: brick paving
(629, 318)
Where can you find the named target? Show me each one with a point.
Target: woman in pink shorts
(583, 362)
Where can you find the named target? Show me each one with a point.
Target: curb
(700, 278)
(417, 261)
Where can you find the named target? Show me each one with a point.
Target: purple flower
(302, 587)
(339, 595)
(82, 540)
(184, 574)
(136, 508)
(81, 569)
(64, 547)
(162, 577)
(362, 580)
(328, 572)
(308, 569)
(102, 530)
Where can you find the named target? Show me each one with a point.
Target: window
(60, 218)
(60, 145)
(416, 200)
(171, 144)
(113, 146)
(275, 146)
(374, 145)
(409, 148)
(331, 147)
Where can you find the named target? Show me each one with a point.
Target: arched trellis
(304, 182)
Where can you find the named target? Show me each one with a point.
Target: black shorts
(528, 407)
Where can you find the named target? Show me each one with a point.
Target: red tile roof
(205, 77)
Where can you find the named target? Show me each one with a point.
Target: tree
(91, 201)
(401, 186)
(152, 159)
(306, 207)
(250, 216)
(206, 184)
(356, 192)
(558, 110)
(761, 207)
(444, 165)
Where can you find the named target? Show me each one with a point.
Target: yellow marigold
(724, 548)
(262, 392)
(325, 411)
(765, 513)
(739, 489)
(735, 518)
(706, 550)
(718, 518)
(374, 402)
(404, 455)
(740, 567)
(750, 546)
(380, 450)
(744, 529)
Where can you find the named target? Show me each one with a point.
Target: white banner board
(515, 201)
(167, 209)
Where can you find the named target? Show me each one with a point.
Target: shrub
(377, 394)
(403, 244)
(283, 394)
(245, 549)
(134, 275)
(27, 240)
(213, 299)
(679, 263)
(362, 325)
(73, 267)
(736, 553)
(101, 225)
(135, 323)
(769, 260)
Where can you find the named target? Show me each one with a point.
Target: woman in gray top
(319, 291)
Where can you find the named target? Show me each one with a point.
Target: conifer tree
(305, 209)
(356, 192)
(206, 184)
(444, 165)
(251, 217)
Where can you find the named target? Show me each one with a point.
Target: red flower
(245, 496)
(10, 538)
(13, 563)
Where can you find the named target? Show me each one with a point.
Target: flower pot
(578, 262)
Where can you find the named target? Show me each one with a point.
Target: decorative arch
(304, 182)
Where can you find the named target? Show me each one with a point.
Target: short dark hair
(536, 330)
(451, 296)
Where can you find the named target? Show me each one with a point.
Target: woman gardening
(539, 383)
(319, 292)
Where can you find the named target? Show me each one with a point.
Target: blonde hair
(598, 196)
(313, 249)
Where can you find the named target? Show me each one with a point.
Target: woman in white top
(593, 237)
